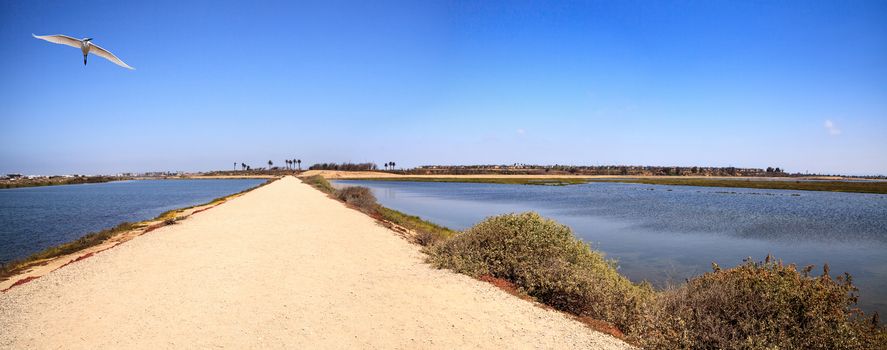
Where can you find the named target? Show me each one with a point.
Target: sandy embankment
(339, 174)
(257, 176)
(281, 266)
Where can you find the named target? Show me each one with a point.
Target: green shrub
(545, 260)
(359, 197)
(760, 306)
(320, 183)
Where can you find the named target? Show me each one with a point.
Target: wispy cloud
(831, 128)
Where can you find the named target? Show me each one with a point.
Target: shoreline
(7, 185)
(847, 185)
(38, 264)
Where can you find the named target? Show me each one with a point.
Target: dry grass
(427, 233)
(359, 197)
(89, 240)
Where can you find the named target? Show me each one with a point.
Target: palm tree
(299, 161)
(392, 165)
(270, 163)
(288, 162)
(235, 166)
(242, 166)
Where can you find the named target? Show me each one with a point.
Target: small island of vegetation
(18, 180)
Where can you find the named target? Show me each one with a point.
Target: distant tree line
(344, 166)
(525, 169)
(521, 169)
(291, 164)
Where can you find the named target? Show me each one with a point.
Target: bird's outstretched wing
(99, 51)
(59, 39)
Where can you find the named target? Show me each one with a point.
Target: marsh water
(665, 234)
(35, 218)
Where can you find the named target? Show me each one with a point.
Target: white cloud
(831, 128)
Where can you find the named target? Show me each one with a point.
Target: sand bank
(338, 174)
(281, 266)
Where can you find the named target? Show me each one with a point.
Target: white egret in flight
(85, 45)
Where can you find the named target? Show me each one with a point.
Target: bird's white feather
(60, 39)
(99, 51)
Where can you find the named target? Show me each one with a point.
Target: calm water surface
(664, 234)
(34, 218)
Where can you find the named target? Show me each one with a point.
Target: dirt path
(282, 266)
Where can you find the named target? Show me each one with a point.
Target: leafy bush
(360, 197)
(545, 260)
(760, 306)
(320, 183)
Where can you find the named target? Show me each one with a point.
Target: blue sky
(799, 85)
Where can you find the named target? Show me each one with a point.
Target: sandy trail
(280, 267)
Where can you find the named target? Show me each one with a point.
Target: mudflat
(282, 266)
